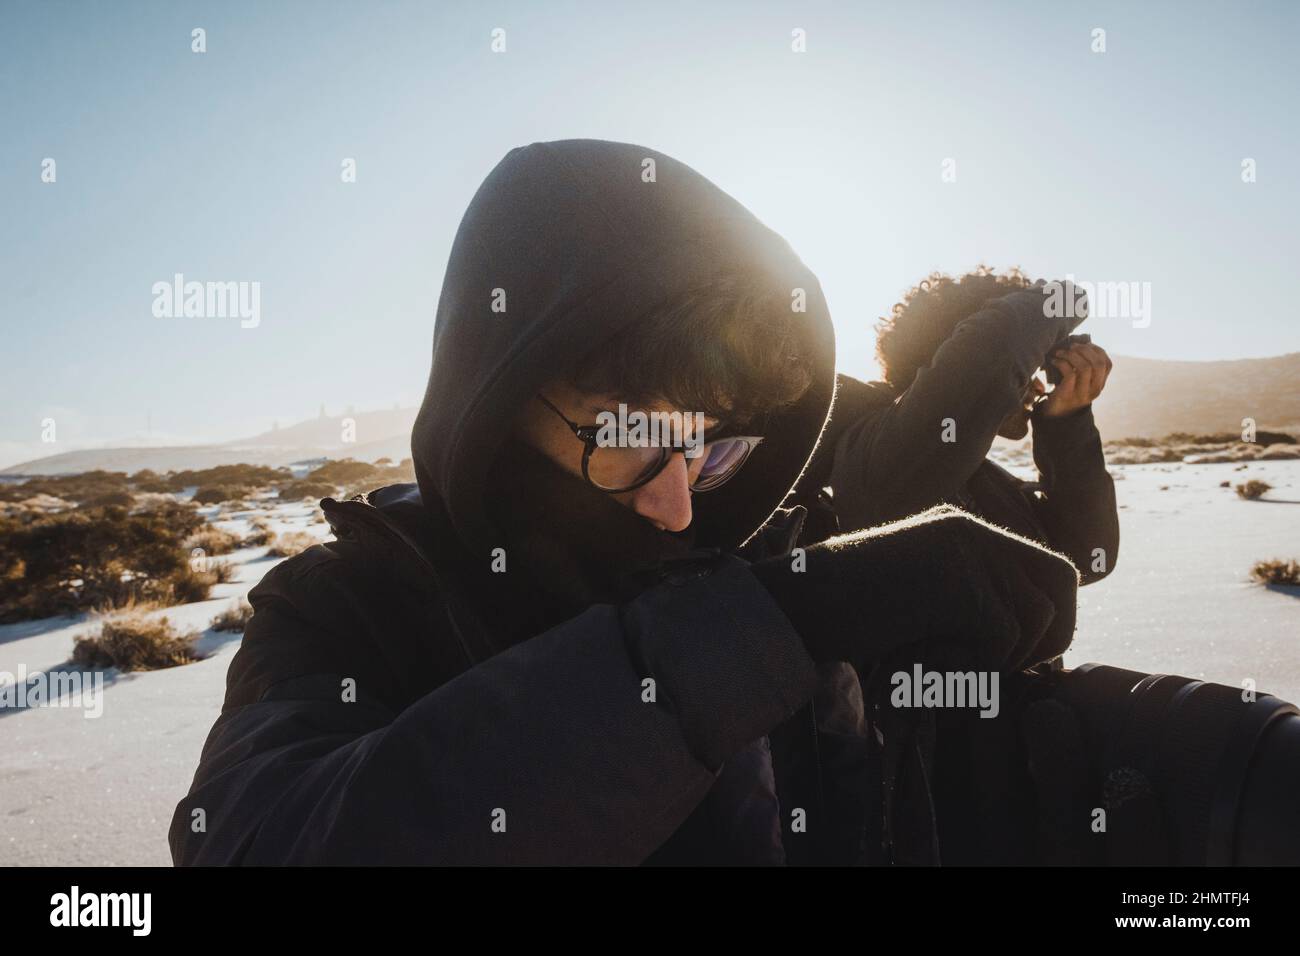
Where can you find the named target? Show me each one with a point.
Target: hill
(1149, 398)
(1146, 398)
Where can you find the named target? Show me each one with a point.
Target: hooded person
(964, 353)
(509, 662)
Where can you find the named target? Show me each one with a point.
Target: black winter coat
(394, 703)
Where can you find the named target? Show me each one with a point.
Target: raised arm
(919, 451)
(1077, 504)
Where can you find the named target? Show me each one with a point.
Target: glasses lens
(617, 467)
(620, 468)
(722, 459)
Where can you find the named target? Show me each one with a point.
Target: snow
(100, 791)
(1180, 599)
(77, 791)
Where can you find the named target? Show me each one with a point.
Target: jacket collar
(395, 518)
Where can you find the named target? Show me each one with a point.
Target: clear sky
(1115, 166)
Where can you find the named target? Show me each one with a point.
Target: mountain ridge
(1144, 398)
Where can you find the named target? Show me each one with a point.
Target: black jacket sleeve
(545, 753)
(896, 463)
(1077, 503)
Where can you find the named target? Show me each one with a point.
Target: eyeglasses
(624, 466)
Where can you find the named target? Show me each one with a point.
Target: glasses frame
(588, 435)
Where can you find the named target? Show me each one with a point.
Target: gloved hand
(942, 577)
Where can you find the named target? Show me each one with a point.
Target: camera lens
(1224, 764)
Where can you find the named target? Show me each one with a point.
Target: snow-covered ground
(101, 791)
(1180, 599)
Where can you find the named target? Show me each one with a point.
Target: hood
(581, 246)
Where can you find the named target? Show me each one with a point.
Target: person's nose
(666, 501)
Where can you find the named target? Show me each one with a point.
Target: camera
(1053, 373)
(1102, 766)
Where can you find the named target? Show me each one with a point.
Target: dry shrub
(291, 543)
(235, 617)
(342, 472)
(149, 501)
(110, 499)
(1276, 571)
(213, 540)
(135, 640)
(247, 476)
(297, 490)
(189, 585)
(104, 557)
(79, 488)
(34, 506)
(215, 494)
(261, 534)
(1253, 489)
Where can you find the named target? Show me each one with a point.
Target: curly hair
(916, 327)
(731, 349)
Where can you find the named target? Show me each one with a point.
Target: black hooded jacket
(395, 701)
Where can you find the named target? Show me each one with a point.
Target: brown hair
(916, 327)
(731, 349)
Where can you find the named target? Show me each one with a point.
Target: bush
(1253, 489)
(297, 490)
(193, 582)
(78, 488)
(342, 472)
(215, 494)
(155, 501)
(75, 560)
(135, 641)
(1276, 572)
(359, 476)
(213, 540)
(244, 476)
(234, 618)
(291, 543)
(158, 486)
(38, 504)
(146, 480)
(186, 586)
(1228, 438)
(109, 499)
(260, 534)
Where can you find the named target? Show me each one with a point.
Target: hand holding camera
(1078, 370)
